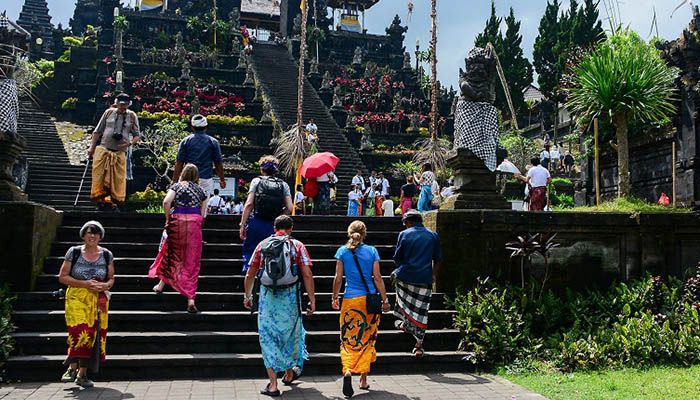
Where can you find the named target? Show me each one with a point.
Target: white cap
(92, 223)
(199, 121)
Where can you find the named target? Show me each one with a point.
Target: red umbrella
(319, 164)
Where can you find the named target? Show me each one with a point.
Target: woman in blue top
(358, 328)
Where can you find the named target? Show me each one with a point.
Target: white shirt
(385, 187)
(373, 180)
(370, 193)
(299, 197)
(358, 180)
(354, 195)
(238, 208)
(544, 154)
(311, 127)
(388, 207)
(555, 154)
(216, 201)
(329, 177)
(538, 176)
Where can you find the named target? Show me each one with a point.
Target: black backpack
(269, 198)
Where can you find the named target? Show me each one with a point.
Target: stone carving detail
(396, 104)
(406, 60)
(366, 142)
(357, 57)
(266, 116)
(337, 101)
(234, 18)
(313, 70)
(242, 61)
(396, 33)
(327, 79)
(350, 120)
(195, 105)
(296, 28)
(185, 71)
(249, 77)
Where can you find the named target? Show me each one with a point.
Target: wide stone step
(230, 267)
(123, 234)
(224, 365)
(54, 343)
(158, 321)
(145, 300)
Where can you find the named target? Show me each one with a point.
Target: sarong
(86, 321)
(358, 335)
(538, 198)
(412, 306)
(280, 330)
(323, 200)
(256, 231)
(108, 176)
(406, 204)
(353, 209)
(425, 200)
(370, 211)
(179, 259)
(378, 201)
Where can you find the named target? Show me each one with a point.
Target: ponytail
(357, 231)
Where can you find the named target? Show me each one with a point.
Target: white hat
(199, 121)
(92, 223)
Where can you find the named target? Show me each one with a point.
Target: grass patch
(77, 136)
(656, 383)
(626, 205)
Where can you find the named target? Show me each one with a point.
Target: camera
(117, 136)
(59, 294)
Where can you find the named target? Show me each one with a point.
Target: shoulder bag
(374, 300)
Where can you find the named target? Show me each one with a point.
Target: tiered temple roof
(35, 18)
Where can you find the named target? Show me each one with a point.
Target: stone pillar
(475, 185)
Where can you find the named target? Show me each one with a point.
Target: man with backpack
(268, 198)
(216, 204)
(281, 260)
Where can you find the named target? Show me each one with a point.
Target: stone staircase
(52, 179)
(152, 337)
(278, 74)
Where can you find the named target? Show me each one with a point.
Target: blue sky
(461, 20)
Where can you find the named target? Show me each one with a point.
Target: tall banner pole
(300, 82)
(597, 162)
(673, 169)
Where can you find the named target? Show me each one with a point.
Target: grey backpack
(278, 268)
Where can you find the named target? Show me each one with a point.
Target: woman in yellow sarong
(358, 328)
(88, 271)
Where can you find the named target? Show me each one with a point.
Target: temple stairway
(152, 337)
(278, 73)
(52, 179)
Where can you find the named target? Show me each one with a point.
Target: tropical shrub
(6, 328)
(69, 103)
(213, 119)
(149, 195)
(162, 142)
(640, 324)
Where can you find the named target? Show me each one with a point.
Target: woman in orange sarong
(358, 328)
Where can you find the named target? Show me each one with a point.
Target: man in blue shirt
(203, 151)
(417, 259)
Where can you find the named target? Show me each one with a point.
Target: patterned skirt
(412, 306)
(179, 259)
(280, 329)
(108, 176)
(86, 319)
(358, 336)
(538, 198)
(323, 200)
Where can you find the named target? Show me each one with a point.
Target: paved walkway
(397, 387)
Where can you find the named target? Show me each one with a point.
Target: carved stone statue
(357, 57)
(350, 120)
(249, 77)
(185, 71)
(396, 34)
(296, 28)
(366, 141)
(234, 18)
(406, 60)
(396, 104)
(178, 39)
(190, 88)
(314, 66)
(242, 61)
(236, 45)
(195, 105)
(266, 116)
(413, 125)
(371, 69)
(337, 101)
(326, 82)
(476, 119)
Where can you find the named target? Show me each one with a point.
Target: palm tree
(623, 79)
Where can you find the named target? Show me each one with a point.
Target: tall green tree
(545, 59)
(516, 68)
(624, 79)
(589, 28)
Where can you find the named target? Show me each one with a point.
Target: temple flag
(151, 5)
(302, 6)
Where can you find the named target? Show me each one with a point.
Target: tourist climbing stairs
(52, 179)
(152, 336)
(278, 74)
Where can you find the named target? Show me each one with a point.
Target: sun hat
(95, 224)
(199, 121)
(123, 98)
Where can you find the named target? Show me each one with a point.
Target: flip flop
(266, 391)
(400, 325)
(156, 291)
(347, 387)
(364, 387)
(295, 376)
(418, 351)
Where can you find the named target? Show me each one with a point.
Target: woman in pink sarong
(178, 260)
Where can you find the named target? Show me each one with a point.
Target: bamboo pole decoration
(215, 24)
(673, 169)
(300, 83)
(434, 87)
(597, 162)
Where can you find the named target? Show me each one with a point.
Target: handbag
(374, 300)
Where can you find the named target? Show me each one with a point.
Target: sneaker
(70, 375)
(83, 381)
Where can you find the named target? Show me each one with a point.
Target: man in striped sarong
(417, 259)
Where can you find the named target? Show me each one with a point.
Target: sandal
(192, 309)
(295, 376)
(266, 391)
(347, 386)
(418, 351)
(400, 325)
(156, 291)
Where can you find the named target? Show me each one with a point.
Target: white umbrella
(508, 167)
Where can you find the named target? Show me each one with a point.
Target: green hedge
(640, 324)
(6, 329)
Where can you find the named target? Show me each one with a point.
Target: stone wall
(30, 230)
(595, 250)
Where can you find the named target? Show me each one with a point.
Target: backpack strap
(359, 270)
(75, 256)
